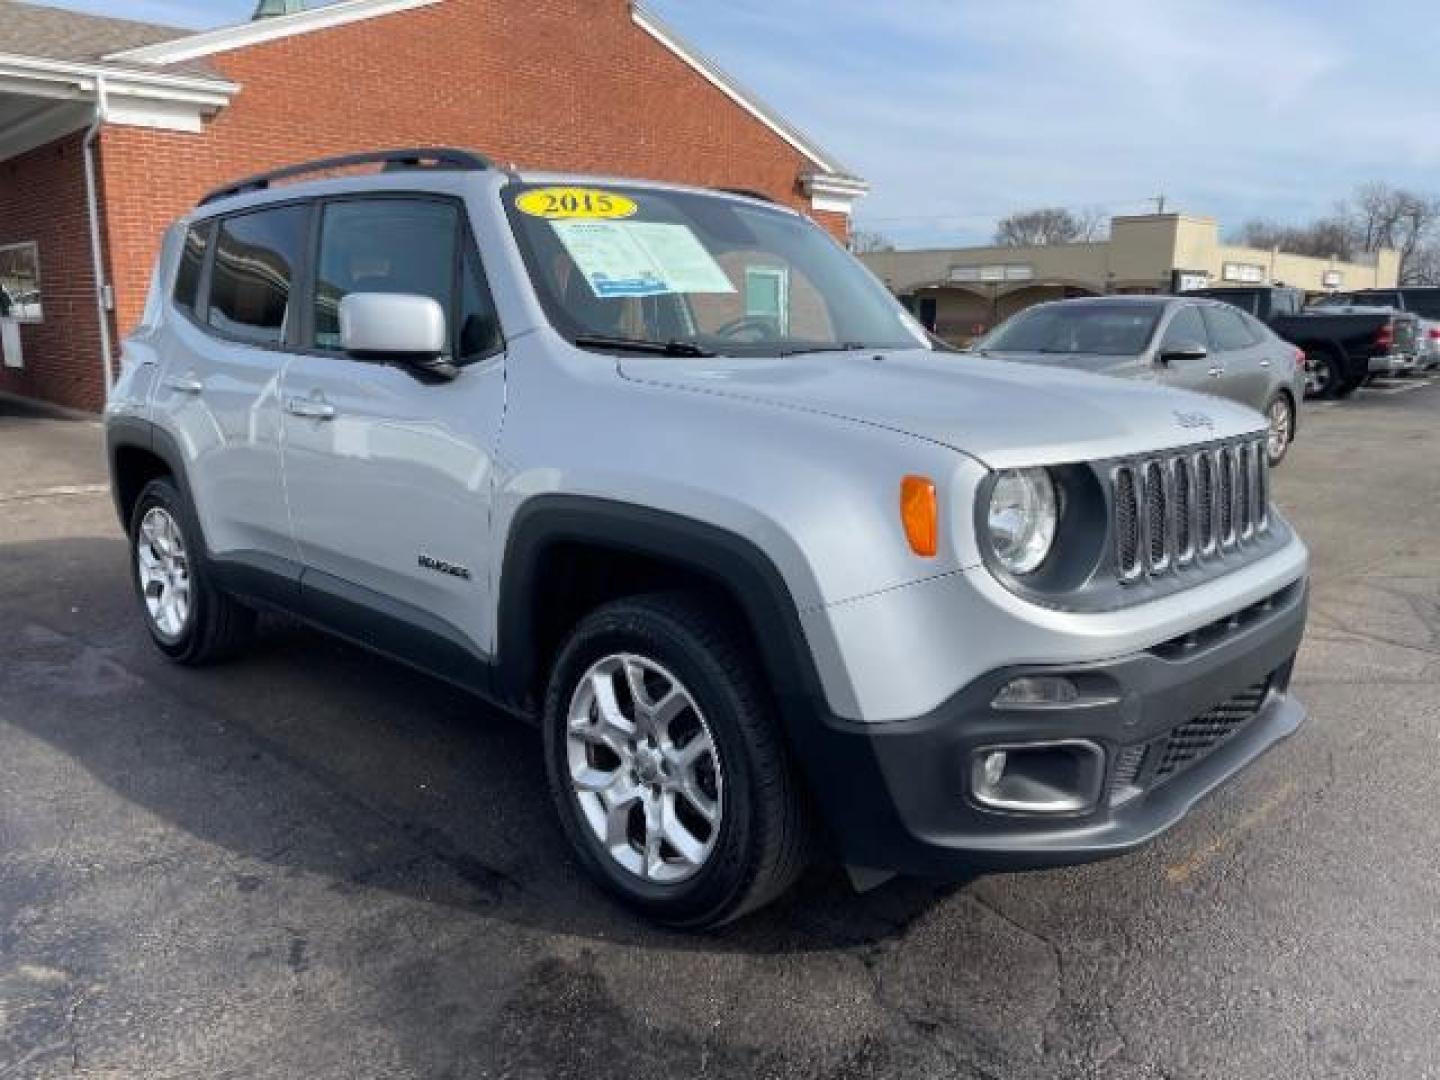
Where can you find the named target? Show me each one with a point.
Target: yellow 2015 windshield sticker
(567, 203)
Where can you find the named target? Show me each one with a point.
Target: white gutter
(97, 250)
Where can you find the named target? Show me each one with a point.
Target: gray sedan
(1200, 345)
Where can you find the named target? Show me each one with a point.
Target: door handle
(1265, 362)
(1215, 372)
(310, 408)
(185, 384)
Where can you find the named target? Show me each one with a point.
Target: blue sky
(959, 111)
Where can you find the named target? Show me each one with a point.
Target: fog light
(993, 767)
(1037, 692)
(1062, 777)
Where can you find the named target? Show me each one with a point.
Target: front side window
(1098, 329)
(392, 245)
(710, 273)
(250, 282)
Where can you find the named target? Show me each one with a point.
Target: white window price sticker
(637, 258)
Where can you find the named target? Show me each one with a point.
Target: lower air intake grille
(1194, 739)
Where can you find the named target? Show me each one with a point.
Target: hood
(1006, 415)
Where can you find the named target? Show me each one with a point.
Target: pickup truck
(1343, 345)
(1422, 301)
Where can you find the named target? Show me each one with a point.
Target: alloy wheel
(164, 569)
(644, 768)
(1279, 436)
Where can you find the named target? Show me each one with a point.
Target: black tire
(1272, 458)
(217, 626)
(1331, 379)
(763, 841)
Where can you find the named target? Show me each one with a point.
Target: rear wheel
(666, 765)
(1328, 378)
(189, 618)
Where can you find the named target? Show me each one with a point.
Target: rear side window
(254, 269)
(384, 246)
(1186, 328)
(1259, 332)
(1228, 330)
(192, 262)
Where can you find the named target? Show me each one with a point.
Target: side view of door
(388, 459)
(218, 390)
(1184, 358)
(1240, 354)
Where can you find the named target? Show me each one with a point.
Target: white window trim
(134, 98)
(243, 35)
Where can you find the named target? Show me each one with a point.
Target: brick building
(149, 118)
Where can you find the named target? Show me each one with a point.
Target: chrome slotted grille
(1178, 509)
(1127, 523)
(1225, 496)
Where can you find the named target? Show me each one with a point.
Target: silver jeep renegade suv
(668, 472)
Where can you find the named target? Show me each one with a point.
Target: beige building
(960, 292)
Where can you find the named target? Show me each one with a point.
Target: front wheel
(666, 765)
(1281, 416)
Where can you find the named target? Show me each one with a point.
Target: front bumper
(899, 796)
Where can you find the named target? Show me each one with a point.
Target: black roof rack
(431, 157)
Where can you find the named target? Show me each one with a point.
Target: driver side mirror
(1182, 350)
(396, 326)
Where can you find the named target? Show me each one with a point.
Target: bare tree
(1094, 224)
(1322, 238)
(1035, 228)
(867, 241)
(1404, 221)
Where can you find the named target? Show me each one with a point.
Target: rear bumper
(1391, 364)
(900, 796)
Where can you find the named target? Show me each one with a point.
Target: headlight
(1021, 518)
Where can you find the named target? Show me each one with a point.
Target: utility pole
(1160, 203)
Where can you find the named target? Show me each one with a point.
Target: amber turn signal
(920, 514)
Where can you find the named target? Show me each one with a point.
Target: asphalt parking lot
(310, 863)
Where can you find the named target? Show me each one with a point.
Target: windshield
(1092, 329)
(622, 266)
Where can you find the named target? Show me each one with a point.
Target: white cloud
(972, 109)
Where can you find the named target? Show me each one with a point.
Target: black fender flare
(733, 563)
(133, 432)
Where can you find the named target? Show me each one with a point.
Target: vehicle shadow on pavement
(309, 756)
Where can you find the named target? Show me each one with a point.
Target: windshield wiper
(673, 347)
(843, 346)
